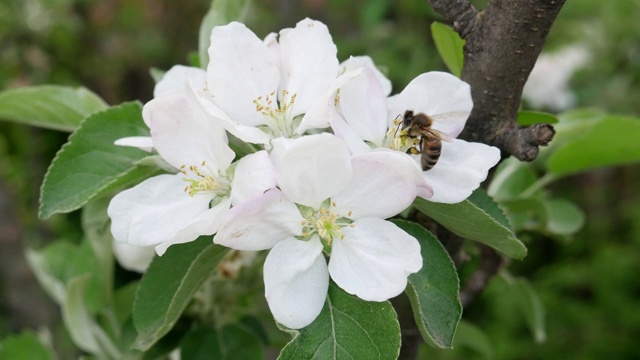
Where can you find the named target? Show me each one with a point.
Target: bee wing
(442, 136)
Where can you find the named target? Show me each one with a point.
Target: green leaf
(526, 213)
(527, 118)
(233, 342)
(90, 164)
(49, 106)
(530, 305)
(472, 337)
(434, 290)
(609, 141)
(565, 218)
(450, 46)
(478, 218)
(347, 328)
(511, 179)
(25, 346)
(169, 284)
(83, 328)
(221, 12)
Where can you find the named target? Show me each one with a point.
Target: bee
(418, 126)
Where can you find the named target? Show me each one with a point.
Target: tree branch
(503, 43)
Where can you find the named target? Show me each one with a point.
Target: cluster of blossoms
(335, 162)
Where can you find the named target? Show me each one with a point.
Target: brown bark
(502, 44)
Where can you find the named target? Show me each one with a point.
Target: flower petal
(296, 281)
(442, 96)
(254, 175)
(364, 106)
(342, 130)
(177, 76)
(355, 62)
(141, 142)
(260, 223)
(206, 223)
(133, 258)
(154, 211)
(311, 168)
(460, 170)
(383, 184)
(308, 63)
(241, 69)
(184, 134)
(374, 259)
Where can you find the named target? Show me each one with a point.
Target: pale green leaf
(472, 337)
(450, 46)
(85, 332)
(527, 118)
(526, 213)
(511, 179)
(608, 141)
(169, 284)
(49, 106)
(347, 328)
(529, 304)
(434, 290)
(221, 12)
(25, 346)
(478, 218)
(564, 217)
(90, 164)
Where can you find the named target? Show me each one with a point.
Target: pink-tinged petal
(311, 168)
(460, 170)
(374, 259)
(355, 62)
(241, 70)
(384, 183)
(254, 175)
(308, 63)
(177, 76)
(184, 134)
(296, 281)
(363, 104)
(318, 114)
(260, 223)
(141, 142)
(342, 130)
(133, 258)
(442, 96)
(206, 223)
(154, 211)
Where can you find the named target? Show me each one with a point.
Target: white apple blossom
(133, 258)
(548, 84)
(176, 208)
(366, 118)
(328, 202)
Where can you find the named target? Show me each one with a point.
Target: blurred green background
(588, 282)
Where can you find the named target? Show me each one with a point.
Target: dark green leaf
(25, 346)
(478, 218)
(472, 337)
(221, 12)
(450, 46)
(527, 118)
(347, 328)
(90, 164)
(169, 284)
(234, 342)
(433, 291)
(49, 106)
(609, 141)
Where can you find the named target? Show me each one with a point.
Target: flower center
(398, 138)
(278, 113)
(323, 222)
(197, 182)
